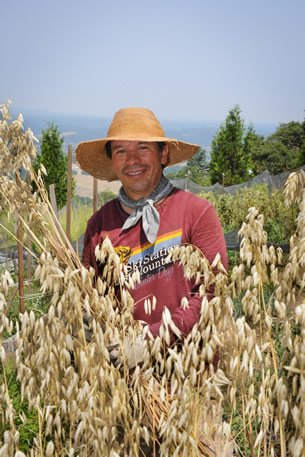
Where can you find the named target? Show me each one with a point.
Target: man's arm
(206, 234)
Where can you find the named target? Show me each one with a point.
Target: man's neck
(131, 210)
(126, 208)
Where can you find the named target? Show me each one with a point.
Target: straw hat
(129, 124)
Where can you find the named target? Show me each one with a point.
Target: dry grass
(87, 406)
(84, 185)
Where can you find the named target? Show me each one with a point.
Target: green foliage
(229, 160)
(252, 143)
(284, 150)
(35, 301)
(26, 419)
(279, 221)
(195, 174)
(6, 239)
(291, 134)
(233, 259)
(236, 150)
(105, 196)
(276, 157)
(195, 170)
(198, 160)
(302, 151)
(53, 158)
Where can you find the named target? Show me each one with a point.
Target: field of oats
(64, 397)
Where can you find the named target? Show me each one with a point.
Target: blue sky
(190, 59)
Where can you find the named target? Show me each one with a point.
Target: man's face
(138, 165)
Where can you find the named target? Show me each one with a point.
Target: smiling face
(138, 165)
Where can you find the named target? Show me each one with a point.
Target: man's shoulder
(182, 197)
(109, 209)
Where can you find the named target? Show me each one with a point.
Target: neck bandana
(145, 208)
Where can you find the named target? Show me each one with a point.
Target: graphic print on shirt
(124, 253)
(149, 258)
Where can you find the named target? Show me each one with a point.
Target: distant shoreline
(77, 128)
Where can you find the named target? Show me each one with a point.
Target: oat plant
(178, 400)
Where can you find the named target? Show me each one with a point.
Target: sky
(183, 59)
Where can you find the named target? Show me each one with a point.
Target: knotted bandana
(145, 208)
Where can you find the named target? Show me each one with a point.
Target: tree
(105, 196)
(228, 158)
(275, 157)
(302, 149)
(53, 158)
(281, 151)
(291, 134)
(196, 169)
(198, 160)
(252, 143)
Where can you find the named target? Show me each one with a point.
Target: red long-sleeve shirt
(184, 218)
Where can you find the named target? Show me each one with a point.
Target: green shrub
(279, 221)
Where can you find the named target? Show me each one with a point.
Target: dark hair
(160, 144)
(108, 149)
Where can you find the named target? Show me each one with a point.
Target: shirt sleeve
(206, 233)
(88, 255)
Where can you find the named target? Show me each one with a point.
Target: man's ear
(164, 155)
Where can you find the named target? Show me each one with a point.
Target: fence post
(69, 193)
(53, 199)
(54, 205)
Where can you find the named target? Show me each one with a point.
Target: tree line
(238, 152)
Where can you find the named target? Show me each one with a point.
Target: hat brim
(91, 155)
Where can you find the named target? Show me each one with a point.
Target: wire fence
(272, 182)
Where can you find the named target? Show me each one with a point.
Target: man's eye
(143, 148)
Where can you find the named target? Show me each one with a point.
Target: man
(150, 215)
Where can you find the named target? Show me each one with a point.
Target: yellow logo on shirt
(124, 252)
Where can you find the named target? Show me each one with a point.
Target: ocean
(77, 128)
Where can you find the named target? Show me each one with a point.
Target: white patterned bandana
(145, 208)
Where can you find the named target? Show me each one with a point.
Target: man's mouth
(135, 173)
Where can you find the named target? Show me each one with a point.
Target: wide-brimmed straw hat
(129, 124)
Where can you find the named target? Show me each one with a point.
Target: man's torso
(184, 218)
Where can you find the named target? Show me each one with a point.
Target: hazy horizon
(78, 127)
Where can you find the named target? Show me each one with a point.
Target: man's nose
(133, 156)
